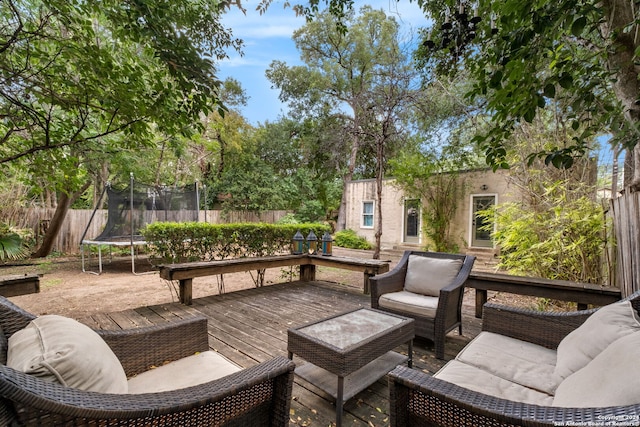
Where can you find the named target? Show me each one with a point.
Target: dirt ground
(66, 290)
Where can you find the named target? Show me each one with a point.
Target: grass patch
(51, 283)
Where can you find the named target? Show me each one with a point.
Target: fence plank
(626, 219)
(75, 223)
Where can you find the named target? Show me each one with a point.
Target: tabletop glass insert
(351, 328)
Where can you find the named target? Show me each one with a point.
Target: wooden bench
(19, 284)
(581, 293)
(184, 273)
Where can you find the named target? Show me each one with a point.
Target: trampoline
(131, 208)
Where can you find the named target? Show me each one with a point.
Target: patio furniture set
(529, 368)
(524, 369)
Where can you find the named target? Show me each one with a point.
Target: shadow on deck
(250, 326)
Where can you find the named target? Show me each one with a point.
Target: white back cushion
(610, 379)
(426, 275)
(603, 327)
(193, 370)
(62, 350)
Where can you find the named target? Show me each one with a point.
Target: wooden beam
(186, 272)
(563, 290)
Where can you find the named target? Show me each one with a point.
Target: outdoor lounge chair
(428, 287)
(543, 369)
(256, 396)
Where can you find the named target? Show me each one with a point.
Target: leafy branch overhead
(570, 57)
(75, 72)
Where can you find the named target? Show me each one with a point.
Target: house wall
(481, 182)
(392, 211)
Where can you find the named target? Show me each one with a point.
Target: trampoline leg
(133, 260)
(99, 259)
(84, 269)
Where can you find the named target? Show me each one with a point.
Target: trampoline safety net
(131, 209)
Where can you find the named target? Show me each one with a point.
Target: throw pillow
(62, 350)
(610, 379)
(602, 328)
(426, 275)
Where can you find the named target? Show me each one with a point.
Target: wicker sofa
(541, 369)
(430, 292)
(256, 396)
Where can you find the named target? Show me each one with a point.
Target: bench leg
(307, 272)
(481, 299)
(186, 294)
(367, 285)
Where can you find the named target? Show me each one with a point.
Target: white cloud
(275, 23)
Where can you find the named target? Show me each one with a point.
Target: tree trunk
(346, 179)
(619, 14)
(379, 176)
(64, 202)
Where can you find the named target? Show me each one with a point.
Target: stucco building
(402, 216)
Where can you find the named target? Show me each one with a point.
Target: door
(480, 233)
(412, 221)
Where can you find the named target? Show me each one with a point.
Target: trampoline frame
(132, 240)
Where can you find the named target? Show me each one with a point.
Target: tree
(363, 71)
(84, 78)
(577, 57)
(429, 168)
(583, 55)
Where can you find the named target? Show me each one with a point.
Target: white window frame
(368, 214)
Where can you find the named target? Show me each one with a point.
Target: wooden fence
(68, 240)
(625, 211)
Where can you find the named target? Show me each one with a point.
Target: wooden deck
(250, 326)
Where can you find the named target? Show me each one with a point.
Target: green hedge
(172, 242)
(349, 239)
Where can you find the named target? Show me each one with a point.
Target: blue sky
(268, 37)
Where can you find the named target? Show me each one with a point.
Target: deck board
(250, 326)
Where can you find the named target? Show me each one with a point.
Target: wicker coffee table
(355, 346)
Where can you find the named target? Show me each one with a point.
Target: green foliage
(12, 244)
(349, 239)
(196, 241)
(311, 210)
(564, 241)
(435, 180)
(87, 82)
(565, 56)
(288, 219)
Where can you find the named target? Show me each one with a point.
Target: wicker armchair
(256, 396)
(449, 304)
(417, 399)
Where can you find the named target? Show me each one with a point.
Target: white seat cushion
(602, 328)
(481, 381)
(62, 350)
(610, 379)
(189, 371)
(409, 302)
(521, 362)
(426, 275)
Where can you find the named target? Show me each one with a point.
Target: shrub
(563, 242)
(349, 239)
(196, 241)
(13, 243)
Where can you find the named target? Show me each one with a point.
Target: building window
(367, 214)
